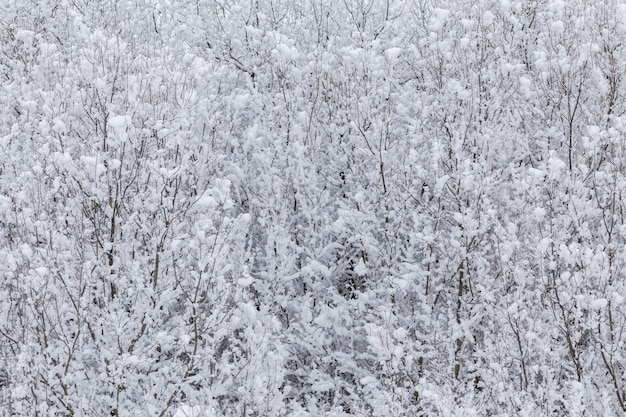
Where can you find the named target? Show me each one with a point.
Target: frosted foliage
(312, 208)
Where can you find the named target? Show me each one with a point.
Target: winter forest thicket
(312, 208)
